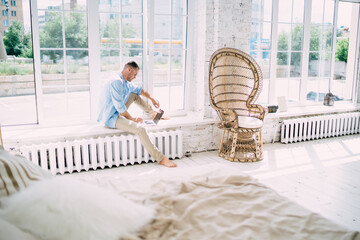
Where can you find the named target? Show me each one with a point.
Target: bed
(211, 203)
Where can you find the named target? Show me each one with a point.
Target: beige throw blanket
(232, 207)
(219, 204)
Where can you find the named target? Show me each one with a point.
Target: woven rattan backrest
(235, 80)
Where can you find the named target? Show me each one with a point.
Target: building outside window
(13, 13)
(4, 12)
(13, 3)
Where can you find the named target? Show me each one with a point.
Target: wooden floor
(321, 175)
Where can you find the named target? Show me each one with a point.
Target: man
(119, 94)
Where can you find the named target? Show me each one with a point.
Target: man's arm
(147, 95)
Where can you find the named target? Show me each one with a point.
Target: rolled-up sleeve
(117, 96)
(136, 90)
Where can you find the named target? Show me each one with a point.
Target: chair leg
(233, 146)
(259, 146)
(222, 142)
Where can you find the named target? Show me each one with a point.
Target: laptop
(156, 119)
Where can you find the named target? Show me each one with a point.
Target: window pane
(177, 31)
(162, 7)
(162, 94)
(50, 4)
(177, 97)
(295, 64)
(50, 30)
(110, 60)
(282, 65)
(177, 65)
(77, 67)
(296, 38)
(52, 67)
(179, 7)
(75, 5)
(317, 11)
(132, 31)
(313, 64)
(285, 7)
(267, 10)
(161, 66)
(326, 37)
(17, 82)
(317, 89)
(76, 30)
(289, 88)
(109, 30)
(324, 66)
(265, 35)
(54, 103)
(131, 6)
(106, 5)
(79, 99)
(298, 11)
(283, 36)
(314, 38)
(162, 29)
(329, 12)
(264, 62)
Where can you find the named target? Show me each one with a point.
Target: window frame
(94, 48)
(272, 97)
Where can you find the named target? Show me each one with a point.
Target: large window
(63, 37)
(313, 49)
(77, 44)
(17, 82)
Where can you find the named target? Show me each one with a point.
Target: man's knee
(140, 130)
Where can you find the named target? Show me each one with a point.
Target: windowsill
(35, 134)
(339, 107)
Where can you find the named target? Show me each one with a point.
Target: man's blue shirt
(113, 100)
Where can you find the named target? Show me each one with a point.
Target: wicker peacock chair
(235, 82)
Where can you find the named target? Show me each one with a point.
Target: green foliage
(51, 35)
(8, 68)
(16, 42)
(342, 47)
(296, 45)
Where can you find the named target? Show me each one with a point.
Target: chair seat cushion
(249, 122)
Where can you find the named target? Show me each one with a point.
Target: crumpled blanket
(223, 206)
(232, 207)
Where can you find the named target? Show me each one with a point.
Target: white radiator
(93, 153)
(323, 126)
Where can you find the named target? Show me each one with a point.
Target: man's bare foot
(167, 163)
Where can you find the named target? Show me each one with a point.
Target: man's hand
(155, 103)
(138, 120)
(147, 95)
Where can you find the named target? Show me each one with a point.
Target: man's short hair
(132, 64)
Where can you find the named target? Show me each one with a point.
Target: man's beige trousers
(135, 128)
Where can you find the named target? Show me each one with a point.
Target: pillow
(9, 231)
(17, 173)
(64, 208)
